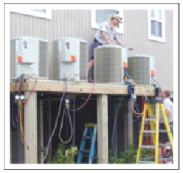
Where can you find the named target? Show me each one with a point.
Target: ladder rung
(163, 131)
(87, 137)
(154, 131)
(149, 131)
(147, 134)
(150, 119)
(148, 146)
(84, 151)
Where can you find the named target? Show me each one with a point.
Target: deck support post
(30, 129)
(102, 128)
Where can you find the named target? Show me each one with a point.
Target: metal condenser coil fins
(139, 68)
(108, 64)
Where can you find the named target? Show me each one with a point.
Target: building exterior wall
(77, 23)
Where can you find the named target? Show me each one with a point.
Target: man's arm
(119, 42)
(107, 38)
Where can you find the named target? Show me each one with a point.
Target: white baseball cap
(116, 16)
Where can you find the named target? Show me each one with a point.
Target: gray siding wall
(77, 23)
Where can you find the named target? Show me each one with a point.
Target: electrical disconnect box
(70, 56)
(141, 69)
(28, 56)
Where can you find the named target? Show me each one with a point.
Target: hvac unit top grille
(83, 60)
(108, 64)
(43, 59)
(55, 60)
(139, 69)
(12, 59)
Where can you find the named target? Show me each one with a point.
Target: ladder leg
(157, 132)
(167, 126)
(141, 133)
(82, 146)
(152, 123)
(92, 148)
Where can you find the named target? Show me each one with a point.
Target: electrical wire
(61, 127)
(32, 90)
(87, 99)
(21, 120)
(14, 121)
(139, 114)
(56, 122)
(82, 105)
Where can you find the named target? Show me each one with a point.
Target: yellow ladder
(153, 117)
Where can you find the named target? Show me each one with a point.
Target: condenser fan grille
(139, 69)
(108, 67)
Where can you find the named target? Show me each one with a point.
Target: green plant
(128, 156)
(64, 155)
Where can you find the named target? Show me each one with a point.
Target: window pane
(159, 14)
(156, 14)
(156, 28)
(103, 15)
(152, 13)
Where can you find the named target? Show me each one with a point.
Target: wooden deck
(101, 90)
(80, 87)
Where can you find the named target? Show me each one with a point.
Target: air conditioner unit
(108, 64)
(140, 68)
(71, 58)
(28, 56)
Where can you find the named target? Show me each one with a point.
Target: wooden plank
(102, 128)
(30, 126)
(82, 87)
(41, 130)
(130, 122)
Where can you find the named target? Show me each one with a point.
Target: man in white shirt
(106, 34)
(169, 107)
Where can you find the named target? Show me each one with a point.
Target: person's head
(115, 20)
(167, 93)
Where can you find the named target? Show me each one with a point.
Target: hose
(55, 126)
(61, 127)
(21, 119)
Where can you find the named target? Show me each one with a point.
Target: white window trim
(96, 26)
(152, 37)
(47, 15)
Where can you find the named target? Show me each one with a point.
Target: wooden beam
(81, 87)
(41, 131)
(30, 126)
(102, 128)
(130, 122)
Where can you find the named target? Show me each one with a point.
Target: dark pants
(94, 45)
(164, 136)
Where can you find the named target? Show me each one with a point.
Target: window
(156, 25)
(99, 16)
(42, 13)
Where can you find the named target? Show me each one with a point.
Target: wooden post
(102, 128)
(130, 122)
(49, 125)
(30, 128)
(41, 130)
